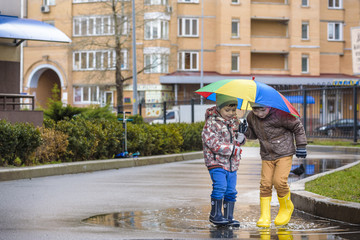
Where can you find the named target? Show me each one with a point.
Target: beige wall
(11, 54)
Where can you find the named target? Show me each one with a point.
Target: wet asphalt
(169, 200)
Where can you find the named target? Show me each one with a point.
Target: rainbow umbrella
(248, 91)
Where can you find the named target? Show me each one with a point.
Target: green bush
(53, 148)
(57, 112)
(136, 119)
(18, 143)
(191, 133)
(96, 112)
(8, 142)
(154, 139)
(80, 139)
(88, 140)
(110, 138)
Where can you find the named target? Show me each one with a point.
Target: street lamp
(135, 102)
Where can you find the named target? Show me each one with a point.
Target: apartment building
(184, 44)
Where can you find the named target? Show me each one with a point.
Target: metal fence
(330, 112)
(326, 112)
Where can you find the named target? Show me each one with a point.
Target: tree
(119, 39)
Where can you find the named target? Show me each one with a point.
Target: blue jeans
(224, 184)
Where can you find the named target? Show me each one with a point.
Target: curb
(8, 174)
(323, 206)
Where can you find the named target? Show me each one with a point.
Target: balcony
(269, 63)
(270, 44)
(11, 105)
(270, 10)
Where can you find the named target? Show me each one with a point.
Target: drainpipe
(22, 9)
(202, 50)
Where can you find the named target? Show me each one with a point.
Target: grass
(341, 185)
(333, 142)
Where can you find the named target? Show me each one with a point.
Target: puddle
(191, 221)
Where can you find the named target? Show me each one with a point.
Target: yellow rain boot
(285, 210)
(265, 218)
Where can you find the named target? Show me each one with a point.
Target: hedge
(80, 139)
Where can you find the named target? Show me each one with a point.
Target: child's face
(228, 112)
(261, 112)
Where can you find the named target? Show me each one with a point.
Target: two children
(275, 131)
(222, 154)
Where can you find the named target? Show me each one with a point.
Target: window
(304, 3)
(188, 27)
(235, 28)
(156, 29)
(305, 31)
(108, 98)
(235, 1)
(188, 1)
(235, 62)
(188, 61)
(50, 2)
(335, 4)
(304, 64)
(335, 31)
(97, 25)
(156, 63)
(86, 94)
(85, 1)
(156, 2)
(98, 60)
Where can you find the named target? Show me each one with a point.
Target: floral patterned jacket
(218, 141)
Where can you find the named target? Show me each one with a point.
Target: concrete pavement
(303, 200)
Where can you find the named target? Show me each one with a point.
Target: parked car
(338, 127)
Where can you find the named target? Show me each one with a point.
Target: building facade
(14, 30)
(184, 44)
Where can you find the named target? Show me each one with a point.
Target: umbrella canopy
(248, 91)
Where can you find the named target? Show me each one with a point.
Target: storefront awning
(20, 29)
(300, 99)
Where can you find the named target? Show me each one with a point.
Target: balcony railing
(11, 102)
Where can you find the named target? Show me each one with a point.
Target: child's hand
(243, 126)
(239, 139)
(301, 153)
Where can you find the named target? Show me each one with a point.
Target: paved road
(158, 201)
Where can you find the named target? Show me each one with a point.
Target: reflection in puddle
(315, 166)
(190, 221)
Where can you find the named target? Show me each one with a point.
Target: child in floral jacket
(222, 154)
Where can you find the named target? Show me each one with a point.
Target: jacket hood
(211, 112)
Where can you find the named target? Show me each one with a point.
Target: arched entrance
(41, 82)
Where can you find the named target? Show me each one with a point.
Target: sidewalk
(303, 200)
